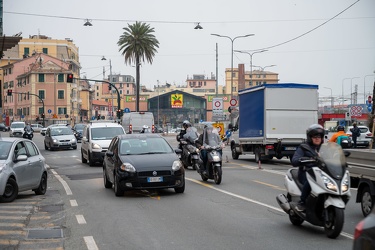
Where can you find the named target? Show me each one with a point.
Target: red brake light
(369, 134)
(359, 229)
(130, 129)
(269, 146)
(153, 128)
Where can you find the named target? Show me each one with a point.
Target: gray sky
(341, 48)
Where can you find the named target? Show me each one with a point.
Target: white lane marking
(65, 185)
(249, 200)
(80, 219)
(73, 203)
(90, 243)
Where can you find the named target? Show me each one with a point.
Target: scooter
(214, 164)
(330, 190)
(28, 134)
(190, 155)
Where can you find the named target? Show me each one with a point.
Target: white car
(365, 138)
(37, 127)
(17, 129)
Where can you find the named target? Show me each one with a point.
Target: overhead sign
(356, 111)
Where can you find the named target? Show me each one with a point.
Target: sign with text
(177, 100)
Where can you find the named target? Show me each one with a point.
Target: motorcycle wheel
(217, 174)
(196, 166)
(296, 220)
(335, 222)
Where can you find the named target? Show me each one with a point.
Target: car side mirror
(21, 158)
(109, 153)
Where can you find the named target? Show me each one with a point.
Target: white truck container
(273, 119)
(134, 121)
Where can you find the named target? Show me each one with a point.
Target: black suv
(3, 127)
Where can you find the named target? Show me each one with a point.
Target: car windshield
(4, 149)
(61, 131)
(79, 126)
(17, 125)
(106, 133)
(137, 146)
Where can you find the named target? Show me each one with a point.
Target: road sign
(93, 117)
(126, 110)
(96, 108)
(217, 105)
(233, 102)
(49, 111)
(4, 115)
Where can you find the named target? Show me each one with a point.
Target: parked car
(58, 137)
(364, 234)
(22, 168)
(365, 138)
(17, 129)
(142, 161)
(97, 136)
(4, 127)
(37, 127)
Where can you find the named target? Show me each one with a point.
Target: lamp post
(364, 87)
(158, 104)
(262, 68)
(331, 97)
(231, 72)
(251, 62)
(110, 77)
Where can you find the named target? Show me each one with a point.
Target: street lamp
(158, 105)
(331, 97)
(110, 77)
(251, 62)
(232, 40)
(262, 68)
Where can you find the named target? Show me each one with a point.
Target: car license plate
(64, 143)
(290, 148)
(155, 179)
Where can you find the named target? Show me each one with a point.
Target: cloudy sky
(328, 43)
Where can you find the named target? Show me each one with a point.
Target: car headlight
(73, 140)
(216, 158)
(329, 183)
(95, 146)
(345, 184)
(176, 165)
(54, 141)
(127, 167)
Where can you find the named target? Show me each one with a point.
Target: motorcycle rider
(180, 136)
(340, 132)
(314, 135)
(208, 136)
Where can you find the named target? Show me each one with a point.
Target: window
(60, 94)
(60, 78)
(40, 110)
(45, 50)
(41, 94)
(26, 51)
(61, 111)
(31, 148)
(40, 77)
(10, 71)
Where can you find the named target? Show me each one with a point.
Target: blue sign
(369, 108)
(93, 118)
(22, 116)
(126, 110)
(4, 115)
(49, 111)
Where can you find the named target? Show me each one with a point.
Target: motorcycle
(213, 146)
(28, 134)
(330, 190)
(190, 153)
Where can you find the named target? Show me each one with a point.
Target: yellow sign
(220, 128)
(54, 116)
(177, 100)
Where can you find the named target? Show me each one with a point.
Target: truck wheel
(235, 155)
(367, 201)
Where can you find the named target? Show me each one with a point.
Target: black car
(78, 130)
(364, 235)
(3, 127)
(142, 161)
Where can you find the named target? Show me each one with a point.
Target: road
(241, 213)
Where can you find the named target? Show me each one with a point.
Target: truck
(362, 176)
(273, 119)
(133, 122)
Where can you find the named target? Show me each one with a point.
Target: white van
(96, 137)
(17, 129)
(134, 121)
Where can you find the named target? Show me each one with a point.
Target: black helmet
(340, 128)
(314, 130)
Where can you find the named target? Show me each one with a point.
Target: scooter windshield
(211, 137)
(333, 157)
(191, 134)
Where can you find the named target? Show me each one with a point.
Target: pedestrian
(356, 132)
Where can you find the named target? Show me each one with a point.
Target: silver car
(22, 168)
(58, 137)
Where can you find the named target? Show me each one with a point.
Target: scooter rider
(208, 136)
(340, 132)
(180, 136)
(314, 135)
(28, 128)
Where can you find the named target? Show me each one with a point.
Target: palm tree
(137, 44)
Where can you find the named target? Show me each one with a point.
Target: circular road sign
(233, 102)
(49, 111)
(217, 104)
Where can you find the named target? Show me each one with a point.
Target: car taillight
(358, 229)
(269, 146)
(130, 129)
(369, 134)
(153, 128)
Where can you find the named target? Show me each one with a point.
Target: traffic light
(43, 115)
(109, 87)
(69, 78)
(9, 92)
(119, 113)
